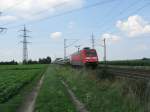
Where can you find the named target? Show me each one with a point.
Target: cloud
(56, 35)
(7, 18)
(30, 9)
(111, 38)
(134, 26)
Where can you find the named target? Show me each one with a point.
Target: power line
(137, 10)
(109, 13)
(8, 8)
(79, 9)
(45, 10)
(130, 6)
(120, 13)
(39, 13)
(67, 12)
(104, 46)
(13, 6)
(71, 11)
(25, 43)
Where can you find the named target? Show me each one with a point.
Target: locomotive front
(85, 57)
(90, 57)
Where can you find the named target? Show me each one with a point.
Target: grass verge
(99, 95)
(53, 96)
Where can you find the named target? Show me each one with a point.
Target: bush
(103, 73)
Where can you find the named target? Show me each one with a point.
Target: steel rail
(130, 73)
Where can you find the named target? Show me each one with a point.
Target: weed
(138, 90)
(103, 74)
(97, 95)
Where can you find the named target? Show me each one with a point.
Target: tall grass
(139, 90)
(100, 95)
(129, 62)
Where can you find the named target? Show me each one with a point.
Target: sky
(124, 23)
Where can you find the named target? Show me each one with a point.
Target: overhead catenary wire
(69, 45)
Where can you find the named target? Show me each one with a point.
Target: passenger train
(84, 57)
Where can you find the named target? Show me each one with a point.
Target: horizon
(125, 25)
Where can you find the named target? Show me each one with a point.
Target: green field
(15, 81)
(97, 94)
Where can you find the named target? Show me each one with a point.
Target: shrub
(103, 73)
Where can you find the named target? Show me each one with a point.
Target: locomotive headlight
(87, 58)
(94, 58)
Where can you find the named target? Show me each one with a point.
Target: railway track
(130, 73)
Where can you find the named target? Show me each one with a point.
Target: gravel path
(79, 106)
(28, 105)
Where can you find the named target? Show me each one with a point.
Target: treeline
(9, 63)
(138, 62)
(46, 60)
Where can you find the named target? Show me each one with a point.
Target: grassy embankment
(137, 62)
(102, 95)
(15, 82)
(53, 96)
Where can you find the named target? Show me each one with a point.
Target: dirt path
(28, 105)
(79, 106)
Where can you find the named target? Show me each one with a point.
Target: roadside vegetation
(138, 62)
(15, 82)
(53, 96)
(100, 94)
(98, 90)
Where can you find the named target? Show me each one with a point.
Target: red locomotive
(85, 57)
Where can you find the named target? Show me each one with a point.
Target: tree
(45, 60)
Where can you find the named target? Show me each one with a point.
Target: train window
(91, 53)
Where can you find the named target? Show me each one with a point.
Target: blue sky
(124, 24)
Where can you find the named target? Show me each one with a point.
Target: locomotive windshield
(90, 53)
